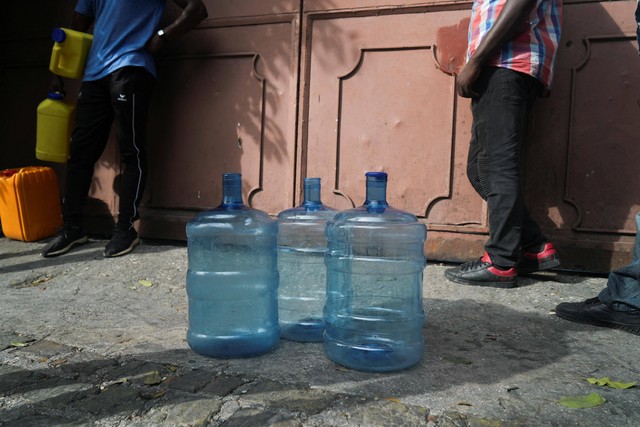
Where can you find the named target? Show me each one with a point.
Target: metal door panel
(380, 98)
(433, 120)
(381, 6)
(225, 102)
(581, 180)
(376, 92)
(357, 116)
(193, 149)
(401, 123)
(603, 183)
(226, 9)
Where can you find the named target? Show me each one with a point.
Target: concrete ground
(91, 341)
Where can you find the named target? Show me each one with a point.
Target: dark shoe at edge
(594, 312)
(531, 262)
(64, 241)
(122, 242)
(482, 272)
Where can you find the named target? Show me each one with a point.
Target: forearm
(192, 14)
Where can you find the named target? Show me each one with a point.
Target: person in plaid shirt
(510, 62)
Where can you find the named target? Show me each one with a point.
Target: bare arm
(193, 12)
(509, 22)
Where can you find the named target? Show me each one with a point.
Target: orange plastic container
(29, 203)
(69, 53)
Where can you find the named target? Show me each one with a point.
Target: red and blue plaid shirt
(533, 50)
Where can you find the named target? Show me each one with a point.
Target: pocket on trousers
(516, 87)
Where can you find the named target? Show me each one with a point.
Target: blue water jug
(375, 261)
(302, 244)
(232, 280)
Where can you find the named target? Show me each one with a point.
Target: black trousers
(122, 98)
(500, 121)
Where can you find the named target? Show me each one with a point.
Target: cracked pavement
(86, 340)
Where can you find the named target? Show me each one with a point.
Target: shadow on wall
(226, 101)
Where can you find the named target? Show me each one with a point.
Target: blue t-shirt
(121, 30)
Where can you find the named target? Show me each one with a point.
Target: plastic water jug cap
(312, 183)
(58, 35)
(57, 96)
(231, 177)
(377, 176)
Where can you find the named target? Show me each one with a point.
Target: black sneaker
(122, 242)
(595, 312)
(531, 262)
(482, 272)
(66, 239)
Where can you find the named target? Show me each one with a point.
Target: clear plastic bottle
(302, 245)
(232, 280)
(375, 262)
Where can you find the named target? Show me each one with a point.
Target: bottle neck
(312, 192)
(376, 199)
(232, 190)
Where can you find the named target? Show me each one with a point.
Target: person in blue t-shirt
(116, 88)
(618, 305)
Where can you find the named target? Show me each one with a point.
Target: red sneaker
(482, 272)
(530, 262)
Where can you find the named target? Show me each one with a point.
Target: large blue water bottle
(375, 261)
(302, 244)
(232, 280)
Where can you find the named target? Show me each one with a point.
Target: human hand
(154, 44)
(467, 78)
(56, 85)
